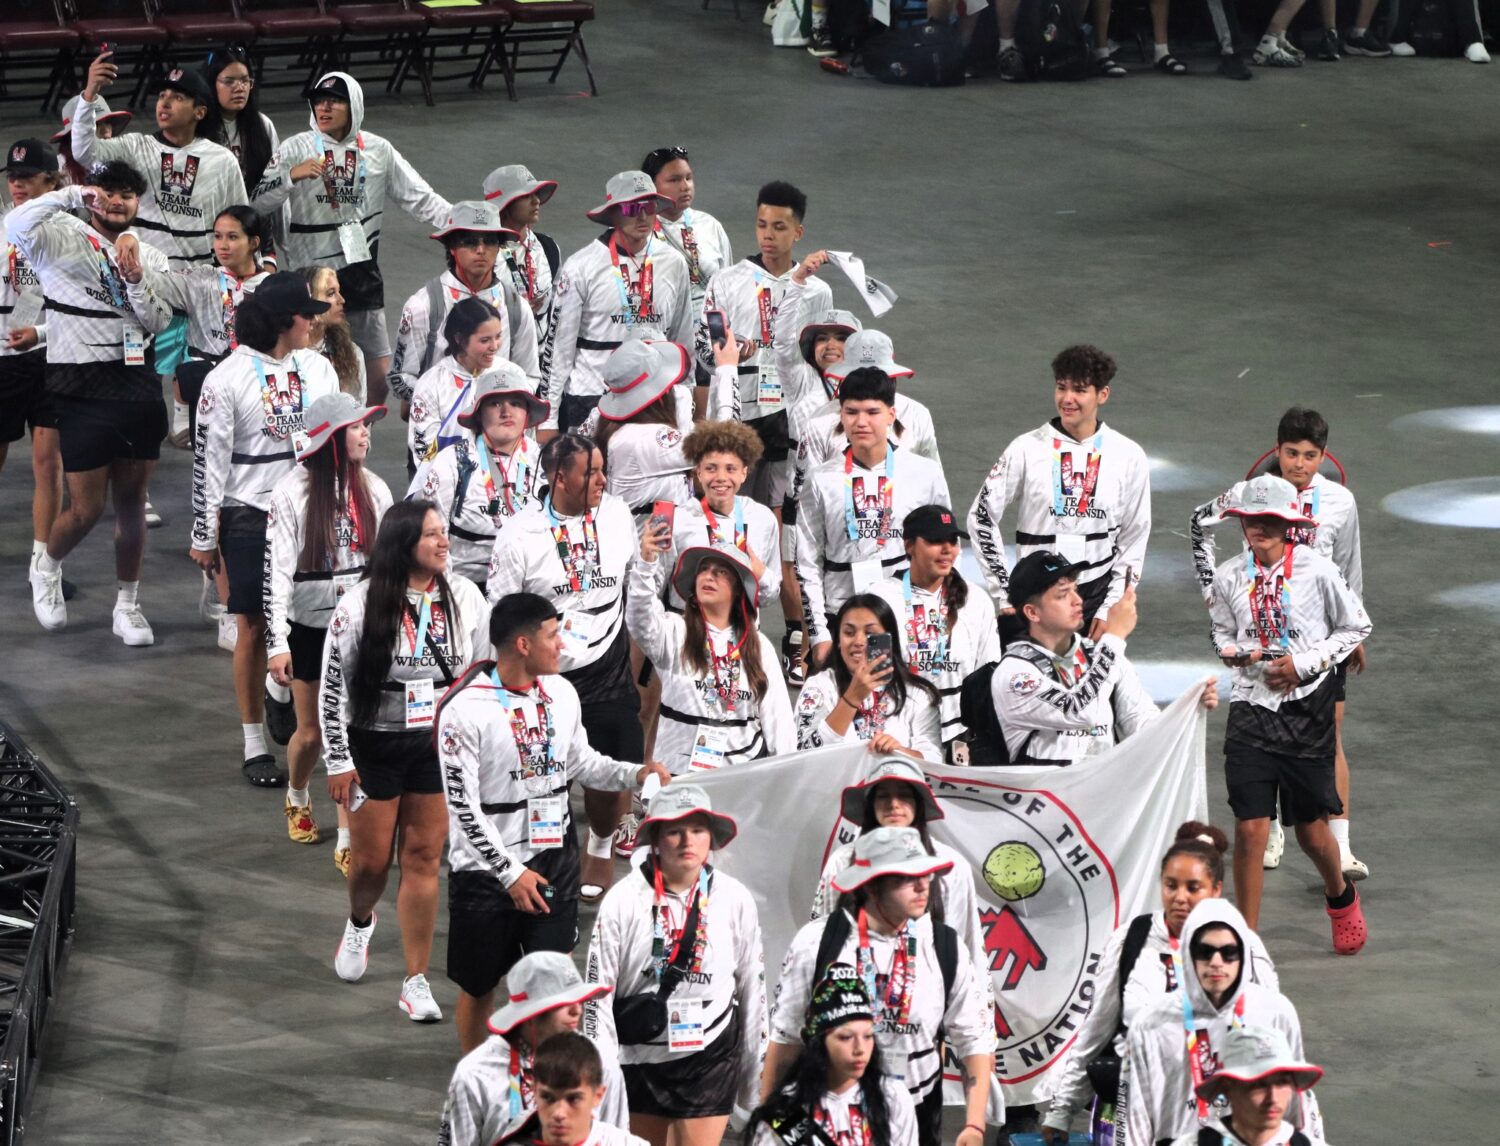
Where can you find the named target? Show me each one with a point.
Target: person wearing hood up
(1180, 1041)
(338, 178)
(1260, 1078)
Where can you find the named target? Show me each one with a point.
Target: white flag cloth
(1062, 856)
(878, 297)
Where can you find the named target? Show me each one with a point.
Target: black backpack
(1104, 1071)
(923, 55)
(836, 933)
(1050, 40)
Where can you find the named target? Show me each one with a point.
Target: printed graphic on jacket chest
(174, 192)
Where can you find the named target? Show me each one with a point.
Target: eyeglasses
(234, 83)
(1229, 952)
(667, 154)
(471, 241)
(639, 207)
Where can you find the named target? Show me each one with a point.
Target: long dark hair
(338, 343)
(389, 574)
(467, 316)
(660, 412)
(330, 472)
(695, 640)
(903, 680)
(255, 140)
(807, 1082)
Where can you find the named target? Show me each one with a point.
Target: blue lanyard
(359, 167)
(659, 956)
(511, 703)
(265, 383)
(424, 618)
(712, 521)
(1057, 480)
(851, 522)
(1261, 617)
(942, 647)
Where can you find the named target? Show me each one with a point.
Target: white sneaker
(131, 626)
(1476, 54)
(769, 16)
(1403, 50)
(353, 954)
(47, 599)
(153, 519)
(1290, 48)
(417, 1001)
(229, 632)
(210, 608)
(1354, 869)
(1270, 54)
(1275, 845)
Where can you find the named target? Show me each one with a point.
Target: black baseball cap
(1035, 573)
(286, 293)
(329, 87)
(932, 523)
(28, 157)
(190, 82)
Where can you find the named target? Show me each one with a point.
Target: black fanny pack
(642, 1018)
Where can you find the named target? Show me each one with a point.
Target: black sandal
(1109, 66)
(1171, 65)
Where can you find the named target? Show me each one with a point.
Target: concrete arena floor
(1327, 236)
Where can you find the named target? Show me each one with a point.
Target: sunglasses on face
(639, 207)
(667, 154)
(1204, 952)
(472, 241)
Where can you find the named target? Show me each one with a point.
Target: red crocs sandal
(1349, 930)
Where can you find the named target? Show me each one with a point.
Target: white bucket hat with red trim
(831, 321)
(1250, 1054)
(868, 348)
(504, 379)
(1268, 496)
(678, 801)
(472, 215)
(638, 373)
(330, 414)
(117, 119)
(540, 982)
(685, 576)
(900, 769)
(629, 187)
(888, 851)
(504, 185)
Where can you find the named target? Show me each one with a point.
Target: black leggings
(1465, 21)
(930, 1117)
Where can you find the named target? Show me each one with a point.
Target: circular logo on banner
(1047, 904)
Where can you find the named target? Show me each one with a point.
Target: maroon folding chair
(549, 22)
(469, 36)
(194, 26)
(303, 36)
(36, 48)
(126, 26)
(392, 32)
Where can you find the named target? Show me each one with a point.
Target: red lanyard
(898, 984)
(661, 917)
(725, 690)
(643, 296)
(741, 535)
(767, 311)
(1262, 610)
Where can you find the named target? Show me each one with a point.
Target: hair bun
(1194, 831)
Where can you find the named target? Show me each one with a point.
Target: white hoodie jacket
(1152, 979)
(462, 639)
(1156, 1084)
(688, 698)
(211, 296)
(729, 984)
(704, 246)
(249, 421)
(1106, 528)
(365, 173)
(478, 499)
(308, 596)
(751, 525)
(645, 465)
(21, 300)
(186, 187)
(477, 1109)
(917, 725)
(419, 338)
(590, 319)
(822, 436)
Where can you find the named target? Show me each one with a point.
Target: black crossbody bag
(642, 1018)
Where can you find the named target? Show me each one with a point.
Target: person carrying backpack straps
(1136, 972)
(882, 928)
(1258, 1078)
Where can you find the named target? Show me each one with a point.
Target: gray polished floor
(1327, 236)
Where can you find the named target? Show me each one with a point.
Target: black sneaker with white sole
(1232, 67)
(1329, 48)
(1367, 43)
(820, 44)
(1011, 65)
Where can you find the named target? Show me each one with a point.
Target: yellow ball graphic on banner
(1014, 871)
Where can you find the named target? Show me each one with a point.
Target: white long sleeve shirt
(186, 187)
(477, 1109)
(88, 302)
(822, 437)
(438, 398)
(598, 306)
(902, 1115)
(704, 246)
(419, 337)
(479, 492)
(364, 175)
(1087, 501)
(646, 465)
(21, 300)
(1152, 979)
(842, 489)
(211, 296)
(690, 700)
(749, 525)
(462, 639)
(803, 384)
(729, 982)
(750, 297)
(940, 654)
(250, 417)
(1334, 534)
(308, 596)
(916, 725)
(491, 787)
(1064, 708)
(910, 1048)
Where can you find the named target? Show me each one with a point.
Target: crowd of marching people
(615, 458)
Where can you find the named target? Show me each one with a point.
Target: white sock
(1356, 33)
(46, 564)
(819, 16)
(1101, 53)
(277, 692)
(126, 598)
(179, 416)
(1161, 52)
(255, 740)
(343, 840)
(600, 847)
(298, 796)
(1340, 830)
(38, 548)
(1004, 43)
(1268, 40)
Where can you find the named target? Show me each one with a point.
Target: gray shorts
(369, 331)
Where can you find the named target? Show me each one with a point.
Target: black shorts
(24, 400)
(487, 935)
(94, 432)
(701, 1085)
(1256, 777)
(242, 541)
(930, 1118)
(614, 728)
(1341, 677)
(306, 646)
(390, 764)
